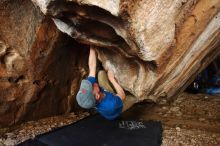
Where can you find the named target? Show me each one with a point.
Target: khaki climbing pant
(104, 82)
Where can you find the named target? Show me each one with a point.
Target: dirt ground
(190, 120)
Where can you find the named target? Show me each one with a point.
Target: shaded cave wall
(40, 67)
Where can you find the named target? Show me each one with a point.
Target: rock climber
(91, 95)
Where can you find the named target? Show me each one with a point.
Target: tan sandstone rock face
(155, 48)
(40, 67)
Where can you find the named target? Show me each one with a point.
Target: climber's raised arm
(92, 62)
(118, 88)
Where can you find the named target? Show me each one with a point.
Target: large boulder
(155, 48)
(40, 67)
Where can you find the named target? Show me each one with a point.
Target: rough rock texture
(155, 44)
(40, 67)
(155, 48)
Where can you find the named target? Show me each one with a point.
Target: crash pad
(97, 131)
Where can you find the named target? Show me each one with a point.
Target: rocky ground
(191, 120)
(19, 133)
